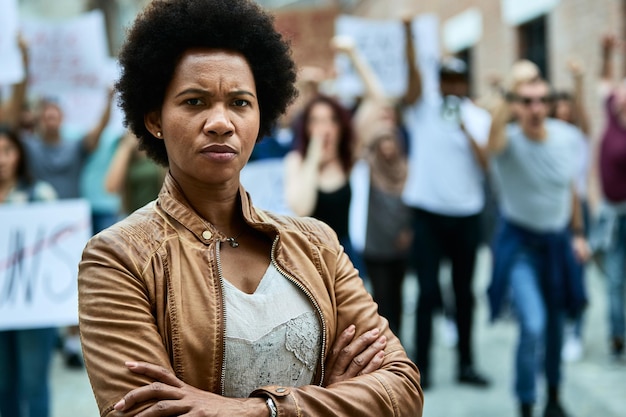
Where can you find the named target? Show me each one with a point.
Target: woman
(381, 225)
(317, 172)
(25, 354)
(214, 306)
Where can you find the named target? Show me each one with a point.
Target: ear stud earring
(159, 134)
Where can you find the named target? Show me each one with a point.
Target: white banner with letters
(40, 247)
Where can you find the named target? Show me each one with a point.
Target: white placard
(463, 30)
(264, 180)
(11, 68)
(517, 12)
(68, 54)
(40, 247)
(382, 45)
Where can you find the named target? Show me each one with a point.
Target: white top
(535, 179)
(273, 337)
(444, 175)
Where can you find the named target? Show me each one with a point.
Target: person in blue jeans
(25, 354)
(540, 237)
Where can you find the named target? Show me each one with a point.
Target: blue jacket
(563, 273)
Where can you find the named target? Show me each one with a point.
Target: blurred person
(202, 303)
(25, 354)
(381, 229)
(60, 162)
(612, 170)
(317, 171)
(444, 188)
(569, 107)
(539, 240)
(133, 175)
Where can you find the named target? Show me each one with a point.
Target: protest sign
(40, 247)
(382, 45)
(11, 69)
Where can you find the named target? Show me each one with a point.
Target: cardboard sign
(40, 247)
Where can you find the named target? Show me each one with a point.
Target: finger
(341, 342)
(153, 391)
(363, 360)
(374, 364)
(163, 409)
(155, 372)
(348, 354)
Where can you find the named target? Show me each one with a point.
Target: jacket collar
(173, 202)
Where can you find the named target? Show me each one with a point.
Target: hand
(581, 249)
(343, 44)
(575, 67)
(173, 397)
(609, 42)
(350, 357)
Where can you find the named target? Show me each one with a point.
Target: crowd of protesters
(415, 168)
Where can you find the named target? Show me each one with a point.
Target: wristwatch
(272, 406)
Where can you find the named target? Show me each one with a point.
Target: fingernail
(381, 354)
(351, 328)
(375, 332)
(130, 364)
(120, 405)
(382, 340)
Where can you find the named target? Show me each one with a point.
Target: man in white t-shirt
(444, 188)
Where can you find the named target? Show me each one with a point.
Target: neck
(536, 134)
(5, 187)
(51, 137)
(219, 205)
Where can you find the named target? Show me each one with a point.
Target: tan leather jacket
(149, 290)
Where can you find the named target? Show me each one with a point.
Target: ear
(152, 120)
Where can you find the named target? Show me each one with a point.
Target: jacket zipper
(221, 278)
(290, 278)
(313, 301)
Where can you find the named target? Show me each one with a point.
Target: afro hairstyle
(167, 28)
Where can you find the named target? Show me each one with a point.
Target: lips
(219, 152)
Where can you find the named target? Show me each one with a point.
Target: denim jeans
(540, 327)
(25, 357)
(615, 269)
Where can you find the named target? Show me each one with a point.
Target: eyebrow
(200, 91)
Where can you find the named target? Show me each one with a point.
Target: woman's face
(324, 126)
(210, 117)
(9, 159)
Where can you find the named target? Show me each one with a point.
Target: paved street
(594, 386)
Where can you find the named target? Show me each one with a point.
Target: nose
(218, 122)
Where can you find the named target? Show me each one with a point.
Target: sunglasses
(527, 101)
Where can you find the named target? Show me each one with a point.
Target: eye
(241, 102)
(194, 102)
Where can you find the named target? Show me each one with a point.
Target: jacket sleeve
(116, 318)
(393, 390)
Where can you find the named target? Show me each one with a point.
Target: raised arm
(373, 88)
(91, 140)
(13, 109)
(581, 116)
(497, 133)
(414, 87)
(607, 76)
